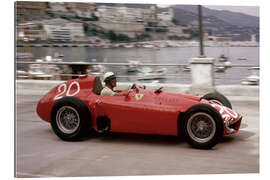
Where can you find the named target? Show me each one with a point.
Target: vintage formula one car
(75, 107)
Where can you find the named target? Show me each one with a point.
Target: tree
(143, 36)
(85, 27)
(112, 36)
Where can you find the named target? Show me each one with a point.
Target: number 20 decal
(62, 89)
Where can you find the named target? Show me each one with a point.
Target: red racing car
(75, 107)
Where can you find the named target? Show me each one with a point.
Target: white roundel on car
(138, 96)
(224, 111)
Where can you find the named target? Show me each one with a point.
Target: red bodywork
(141, 111)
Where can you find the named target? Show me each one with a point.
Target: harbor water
(172, 55)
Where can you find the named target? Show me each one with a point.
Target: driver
(110, 82)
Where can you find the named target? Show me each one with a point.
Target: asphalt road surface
(40, 153)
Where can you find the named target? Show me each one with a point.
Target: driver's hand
(126, 93)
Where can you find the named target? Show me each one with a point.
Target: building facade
(62, 30)
(27, 10)
(126, 14)
(166, 15)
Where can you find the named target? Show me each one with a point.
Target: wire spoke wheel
(67, 119)
(70, 119)
(201, 127)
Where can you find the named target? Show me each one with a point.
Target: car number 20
(64, 89)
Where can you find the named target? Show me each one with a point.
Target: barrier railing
(126, 64)
(96, 63)
(74, 72)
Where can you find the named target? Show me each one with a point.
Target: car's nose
(232, 119)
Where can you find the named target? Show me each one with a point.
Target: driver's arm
(121, 93)
(124, 92)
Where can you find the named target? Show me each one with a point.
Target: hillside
(233, 18)
(239, 26)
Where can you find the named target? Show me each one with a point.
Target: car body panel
(141, 111)
(145, 116)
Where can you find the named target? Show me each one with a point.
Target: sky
(250, 10)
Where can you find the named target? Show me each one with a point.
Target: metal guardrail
(97, 63)
(72, 74)
(126, 64)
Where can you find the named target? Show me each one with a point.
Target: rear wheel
(203, 126)
(70, 119)
(218, 99)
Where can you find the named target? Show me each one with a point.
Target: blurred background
(132, 39)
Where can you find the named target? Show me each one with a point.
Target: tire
(203, 126)
(218, 98)
(70, 119)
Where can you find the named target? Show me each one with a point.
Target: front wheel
(203, 126)
(70, 119)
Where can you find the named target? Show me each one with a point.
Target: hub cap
(201, 127)
(67, 119)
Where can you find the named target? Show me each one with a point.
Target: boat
(223, 67)
(52, 59)
(148, 73)
(24, 55)
(173, 44)
(251, 80)
(227, 64)
(129, 46)
(58, 55)
(20, 74)
(220, 69)
(45, 71)
(254, 68)
(162, 45)
(116, 45)
(40, 71)
(133, 66)
(223, 58)
(148, 46)
(242, 58)
(96, 69)
(187, 68)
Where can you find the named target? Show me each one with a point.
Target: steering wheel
(159, 90)
(133, 86)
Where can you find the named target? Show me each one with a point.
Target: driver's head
(110, 79)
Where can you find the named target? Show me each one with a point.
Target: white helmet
(108, 76)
